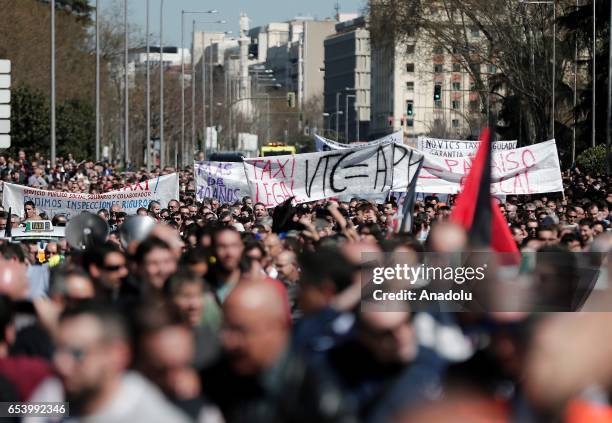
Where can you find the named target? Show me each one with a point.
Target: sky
(260, 12)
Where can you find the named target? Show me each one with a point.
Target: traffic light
(409, 109)
(437, 92)
(291, 100)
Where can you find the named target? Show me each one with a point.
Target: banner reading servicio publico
(130, 198)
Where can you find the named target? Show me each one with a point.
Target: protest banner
(457, 148)
(314, 176)
(528, 170)
(130, 198)
(224, 181)
(324, 144)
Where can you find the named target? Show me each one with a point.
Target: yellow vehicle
(277, 149)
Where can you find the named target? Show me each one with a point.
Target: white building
(404, 80)
(347, 65)
(173, 56)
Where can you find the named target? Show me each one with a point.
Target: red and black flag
(477, 211)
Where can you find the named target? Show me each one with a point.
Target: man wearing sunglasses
(108, 267)
(92, 357)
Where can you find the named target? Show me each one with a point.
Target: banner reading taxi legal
(528, 170)
(314, 176)
(130, 198)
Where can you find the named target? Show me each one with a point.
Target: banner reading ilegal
(528, 170)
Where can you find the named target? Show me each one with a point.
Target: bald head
(13, 280)
(446, 237)
(259, 299)
(170, 236)
(256, 331)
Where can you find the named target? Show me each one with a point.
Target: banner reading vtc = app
(130, 198)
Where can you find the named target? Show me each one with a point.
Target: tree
(504, 45)
(578, 24)
(29, 120)
(75, 129)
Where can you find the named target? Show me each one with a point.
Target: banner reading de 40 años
(314, 176)
(224, 181)
(528, 170)
(130, 198)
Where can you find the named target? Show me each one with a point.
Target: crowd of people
(239, 313)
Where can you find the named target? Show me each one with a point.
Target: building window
(438, 104)
(456, 67)
(438, 68)
(455, 123)
(456, 86)
(410, 49)
(473, 106)
(475, 32)
(410, 86)
(455, 105)
(491, 68)
(438, 50)
(410, 67)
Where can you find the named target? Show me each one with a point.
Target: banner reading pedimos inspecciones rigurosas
(130, 198)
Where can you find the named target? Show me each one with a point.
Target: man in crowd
(92, 359)
(258, 379)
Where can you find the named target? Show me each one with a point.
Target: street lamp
(183, 13)
(52, 3)
(204, 126)
(98, 78)
(126, 106)
(554, 58)
(346, 117)
(203, 82)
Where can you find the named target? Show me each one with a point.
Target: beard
(80, 400)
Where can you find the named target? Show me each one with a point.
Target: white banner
(314, 176)
(528, 170)
(457, 148)
(224, 181)
(130, 198)
(324, 144)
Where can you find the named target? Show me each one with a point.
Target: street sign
(5, 66)
(5, 96)
(5, 111)
(5, 80)
(5, 103)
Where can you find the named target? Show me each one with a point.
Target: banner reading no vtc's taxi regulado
(130, 198)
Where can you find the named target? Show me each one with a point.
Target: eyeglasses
(114, 268)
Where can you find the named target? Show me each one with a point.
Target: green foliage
(29, 120)
(593, 159)
(79, 8)
(30, 124)
(75, 129)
